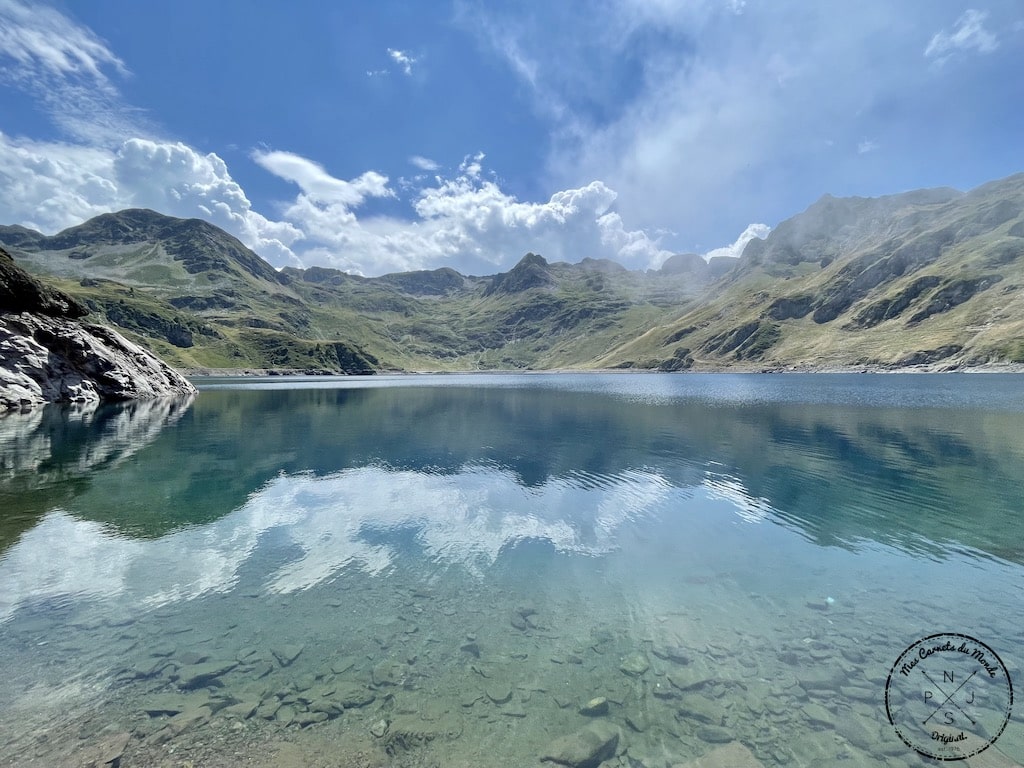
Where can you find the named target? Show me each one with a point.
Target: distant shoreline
(203, 373)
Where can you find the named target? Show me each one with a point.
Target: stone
(304, 683)
(167, 704)
(352, 696)
(242, 711)
(379, 728)
(285, 714)
(817, 715)
(714, 734)
(638, 721)
(181, 722)
(635, 664)
(732, 755)
(200, 675)
(585, 748)
(700, 709)
(47, 355)
(286, 654)
(595, 707)
(268, 708)
(674, 653)
(342, 665)
(306, 719)
(498, 691)
(111, 749)
(388, 673)
(855, 731)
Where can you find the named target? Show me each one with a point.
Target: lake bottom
(653, 652)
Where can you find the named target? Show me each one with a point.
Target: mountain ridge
(928, 277)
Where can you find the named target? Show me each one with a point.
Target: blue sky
(386, 136)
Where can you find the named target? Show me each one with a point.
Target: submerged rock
(733, 755)
(286, 654)
(595, 707)
(199, 675)
(635, 664)
(586, 748)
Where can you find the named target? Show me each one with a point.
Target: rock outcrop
(47, 355)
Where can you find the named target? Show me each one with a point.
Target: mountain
(203, 300)
(929, 277)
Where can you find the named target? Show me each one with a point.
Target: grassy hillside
(931, 277)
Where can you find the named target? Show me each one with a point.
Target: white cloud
(176, 179)
(424, 163)
(968, 34)
(402, 59)
(467, 222)
(43, 41)
(704, 119)
(51, 185)
(319, 185)
(735, 250)
(865, 146)
(64, 66)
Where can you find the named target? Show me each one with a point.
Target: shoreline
(203, 373)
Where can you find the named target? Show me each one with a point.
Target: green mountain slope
(928, 277)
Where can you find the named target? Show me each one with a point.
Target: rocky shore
(47, 355)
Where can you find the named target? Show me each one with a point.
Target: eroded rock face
(47, 356)
(50, 359)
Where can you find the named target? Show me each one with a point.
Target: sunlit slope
(202, 300)
(932, 276)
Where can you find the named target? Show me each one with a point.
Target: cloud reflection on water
(326, 524)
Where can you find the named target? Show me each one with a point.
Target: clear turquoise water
(461, 563)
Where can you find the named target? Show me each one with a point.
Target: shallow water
(445, 570)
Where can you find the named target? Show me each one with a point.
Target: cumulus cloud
(968, 34)
(51, 185)
(466, 221)
(112, 160)
(735, 250)
(865, 146)
(176, 179)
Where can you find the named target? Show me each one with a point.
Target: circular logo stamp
(948, 696)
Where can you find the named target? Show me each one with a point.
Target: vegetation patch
(886, 309)
(953, 294)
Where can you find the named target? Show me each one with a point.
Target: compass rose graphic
(948, 696)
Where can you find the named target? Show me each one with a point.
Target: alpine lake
(629, 570)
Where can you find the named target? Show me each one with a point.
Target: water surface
(445, 570)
